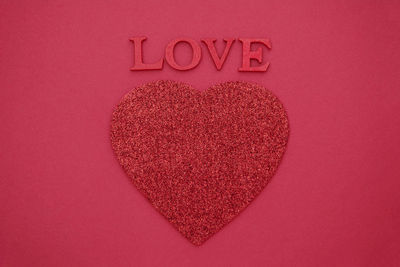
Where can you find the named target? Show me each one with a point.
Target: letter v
(218, 61)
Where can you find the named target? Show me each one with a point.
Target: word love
(219, 60)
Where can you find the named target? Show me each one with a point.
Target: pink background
(64, 199)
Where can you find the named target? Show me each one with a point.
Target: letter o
(196, 54)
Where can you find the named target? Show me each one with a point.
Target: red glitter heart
(200, 158)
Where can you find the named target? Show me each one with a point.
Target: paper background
(64, 199)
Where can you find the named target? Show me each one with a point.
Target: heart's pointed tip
(197, 242)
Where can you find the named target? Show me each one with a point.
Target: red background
(64, 199)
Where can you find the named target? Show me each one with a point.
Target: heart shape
(200, 158)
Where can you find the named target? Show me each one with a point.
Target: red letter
(139, 65)
(218, 61)
(248, 54)
(196, 56)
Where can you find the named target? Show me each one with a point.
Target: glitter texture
(199, 157)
